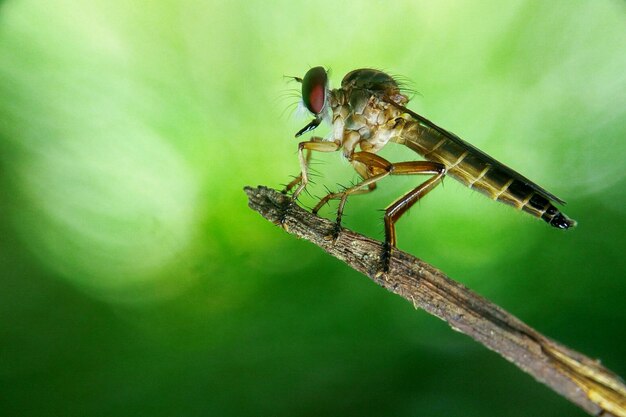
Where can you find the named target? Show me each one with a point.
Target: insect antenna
(292, 78)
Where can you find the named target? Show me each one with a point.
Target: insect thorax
(361, 117)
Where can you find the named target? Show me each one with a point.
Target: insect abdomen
(469, 167)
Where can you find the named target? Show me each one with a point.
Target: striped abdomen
(481, 172)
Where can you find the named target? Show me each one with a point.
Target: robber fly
(367, 112)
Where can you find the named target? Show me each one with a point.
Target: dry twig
(581, 380)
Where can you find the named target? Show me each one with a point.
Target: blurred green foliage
(135, 280)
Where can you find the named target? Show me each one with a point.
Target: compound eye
(314, 89)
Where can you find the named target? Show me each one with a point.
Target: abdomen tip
(562, 222)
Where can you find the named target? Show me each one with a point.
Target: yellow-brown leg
(365, 173)
(297, 179)
(315, 144)
(370, 183)
(342, 203)
(371, 168)
(395, 210)
(378, 168)
(354, 190)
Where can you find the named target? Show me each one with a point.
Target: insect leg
(315, 144)
(297, 179)
(364, 172)
(371, 168)
(307, 159)
(395, 210)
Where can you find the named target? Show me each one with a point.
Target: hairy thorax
(364, 120)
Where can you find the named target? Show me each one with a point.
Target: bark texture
(581, 380)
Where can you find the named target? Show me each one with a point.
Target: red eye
(314, 89)
(316, 98)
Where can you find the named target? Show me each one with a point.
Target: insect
(367, 112)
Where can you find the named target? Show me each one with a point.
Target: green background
(135, 281)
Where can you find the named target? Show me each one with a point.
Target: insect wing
(482, 155)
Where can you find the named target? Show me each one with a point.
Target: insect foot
(385, 261)
(336, 230)
(284, 207)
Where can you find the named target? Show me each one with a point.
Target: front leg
(298, 178)
(315, 144)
